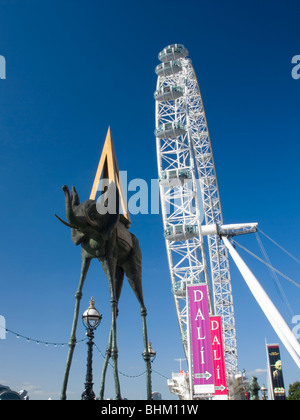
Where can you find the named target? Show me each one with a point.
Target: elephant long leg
(109, 266)
(119, 276)
(105, 364)
(133, 271)
(72, 340)
(146, 354)
(114, 350)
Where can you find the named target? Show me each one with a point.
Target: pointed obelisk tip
(108, 167)
(108, 135)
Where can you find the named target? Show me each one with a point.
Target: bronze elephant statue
(106, 238)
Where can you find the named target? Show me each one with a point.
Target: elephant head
(85, 220)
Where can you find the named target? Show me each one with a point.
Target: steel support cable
(279, 246)
(268, 265)
(279, 288)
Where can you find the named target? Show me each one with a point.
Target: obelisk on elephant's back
(107, 172)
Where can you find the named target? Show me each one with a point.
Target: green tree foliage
(294, 391)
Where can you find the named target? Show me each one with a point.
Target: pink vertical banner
(203, 378)
(218, 356)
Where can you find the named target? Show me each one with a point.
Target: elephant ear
(77, 236)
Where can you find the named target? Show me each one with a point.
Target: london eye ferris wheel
(190, 198)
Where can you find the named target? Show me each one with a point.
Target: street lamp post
(91, 319)
(149, 356)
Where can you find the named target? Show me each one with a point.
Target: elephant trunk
(72, 218)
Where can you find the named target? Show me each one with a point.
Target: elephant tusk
(65, 223)
(90, 221)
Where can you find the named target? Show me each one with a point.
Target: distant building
(7, 394)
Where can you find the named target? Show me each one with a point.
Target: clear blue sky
(75, 67)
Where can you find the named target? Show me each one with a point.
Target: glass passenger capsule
(168, 93)
(179, 287)
(180, 232)
(170, 130)
(173, 52)
(169, 68)
(175, 177)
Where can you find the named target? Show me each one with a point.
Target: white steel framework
(190, 195)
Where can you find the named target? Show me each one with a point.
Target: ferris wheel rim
(210, 195)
